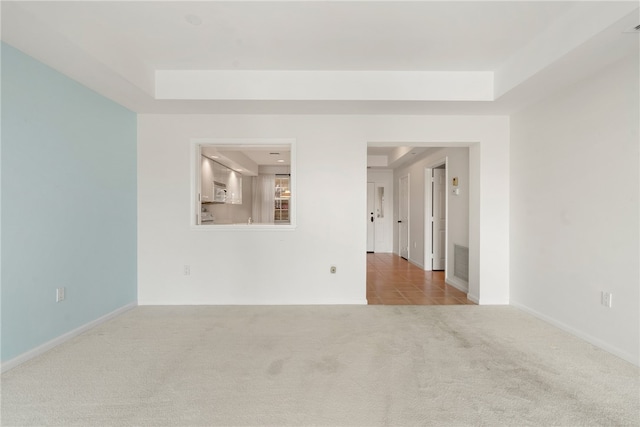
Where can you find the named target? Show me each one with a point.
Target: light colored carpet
(323, 365)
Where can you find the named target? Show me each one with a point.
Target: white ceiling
(247, 158)
(446, 36)
(395, 157)
(270, 156)
(116, 48)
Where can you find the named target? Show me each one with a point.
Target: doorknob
(371, 219)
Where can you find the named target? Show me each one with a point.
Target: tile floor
(392, 280)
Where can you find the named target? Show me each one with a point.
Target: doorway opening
(416, 270)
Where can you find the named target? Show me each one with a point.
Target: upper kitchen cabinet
(220, 172)
(230, 180)
(206, 180)
(234, 188)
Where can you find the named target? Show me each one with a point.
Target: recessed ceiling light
(193, 19)
(280, 161)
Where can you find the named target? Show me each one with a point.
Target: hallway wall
(458, 226)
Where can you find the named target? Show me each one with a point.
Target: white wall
(458, 207)
(383, 226)
(574, 209)
(292, 266)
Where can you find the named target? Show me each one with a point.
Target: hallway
(392, 280)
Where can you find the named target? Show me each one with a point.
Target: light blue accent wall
(68, 204)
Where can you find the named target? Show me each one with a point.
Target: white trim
(457, 283)
(244, 227)
(590, 339)
(408, 176)
(416, 263)
(253, 303)
(428, 220)
(195, 145)
(474, 298)
(41, 349)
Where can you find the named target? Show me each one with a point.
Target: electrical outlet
(606, 299)
(60, 294)
(333, 269)
(187, 270)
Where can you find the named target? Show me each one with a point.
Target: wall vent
(461, 262)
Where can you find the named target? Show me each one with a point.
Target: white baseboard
(416, 263)
(10, 364)
(457, 283)
(590, 339)
(251, 303)
(473, 297)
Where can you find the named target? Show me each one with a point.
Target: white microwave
(219, 192)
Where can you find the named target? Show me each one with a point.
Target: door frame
(408, 176)
(428, 207)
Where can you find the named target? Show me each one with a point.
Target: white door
(403, 217)
(439, 219)
(380, 220)
(371, 201)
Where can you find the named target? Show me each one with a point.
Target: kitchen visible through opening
(248, 183)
